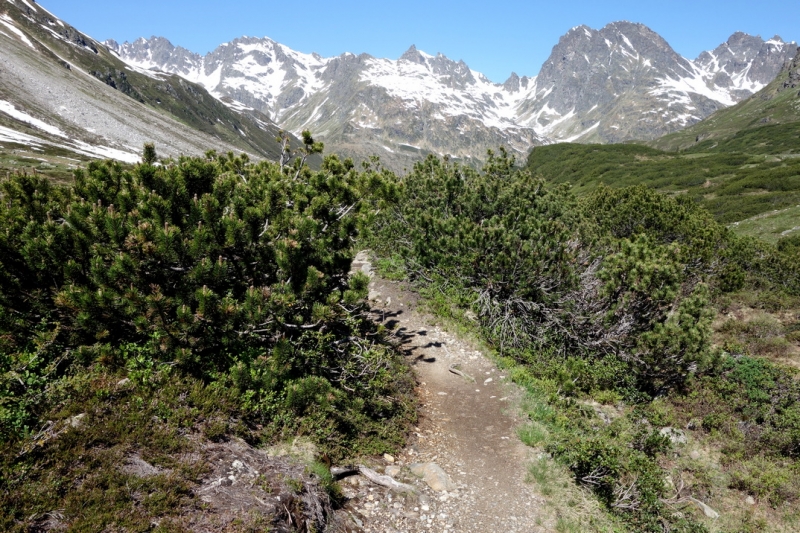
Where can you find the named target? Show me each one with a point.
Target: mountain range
(619, 83)
(62, 89)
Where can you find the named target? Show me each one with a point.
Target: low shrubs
(228, 271)
(550, 276)
(607, 297)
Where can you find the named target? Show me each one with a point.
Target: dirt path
(466, 427)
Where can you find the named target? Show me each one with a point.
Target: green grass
(770, 226)
(763, 139)
(541, 471)
(731, 186)
(55, 163)
(532, 434)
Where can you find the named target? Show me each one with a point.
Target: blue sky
(494, 37)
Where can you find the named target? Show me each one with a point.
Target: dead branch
(454, 369)
(385, 481)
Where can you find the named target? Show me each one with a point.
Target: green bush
(763, 479)
(609, 296)
(215, 267)
(628, 480)
(601, 297)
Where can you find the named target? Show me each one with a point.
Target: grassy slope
(732, 186)
(55, 163)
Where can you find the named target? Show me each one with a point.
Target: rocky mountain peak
(591, 68)
(512, 83)
(577, 32)
(454, 74)
(746, 62)
(156, 52)
(740, 46)
(413, 55)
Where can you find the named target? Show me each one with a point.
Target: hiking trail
(466, 427)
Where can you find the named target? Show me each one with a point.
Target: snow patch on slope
(8, 22)
(417, 84)
(678, 89)
(581, 134)
(95, 151)
(10, 110)
(9, 135)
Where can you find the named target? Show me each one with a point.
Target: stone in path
(433, 475)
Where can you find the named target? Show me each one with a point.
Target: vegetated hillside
(766, 123)
(732, 186)
(61, 88)
(601, 307)
(153, 315)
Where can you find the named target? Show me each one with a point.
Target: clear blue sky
(494, 37)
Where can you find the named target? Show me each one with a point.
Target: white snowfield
(91, 150)
(9, 109)
(417, 84)
(9, 135)
(8, 22)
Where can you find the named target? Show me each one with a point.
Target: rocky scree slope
(61, 89)
(595, 87)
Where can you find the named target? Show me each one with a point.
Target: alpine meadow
(265, 290)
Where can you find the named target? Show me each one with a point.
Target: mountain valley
(620, 83)
(566, 302)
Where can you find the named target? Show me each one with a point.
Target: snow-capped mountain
(625, 82)
(621, 82)
(358, 105)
